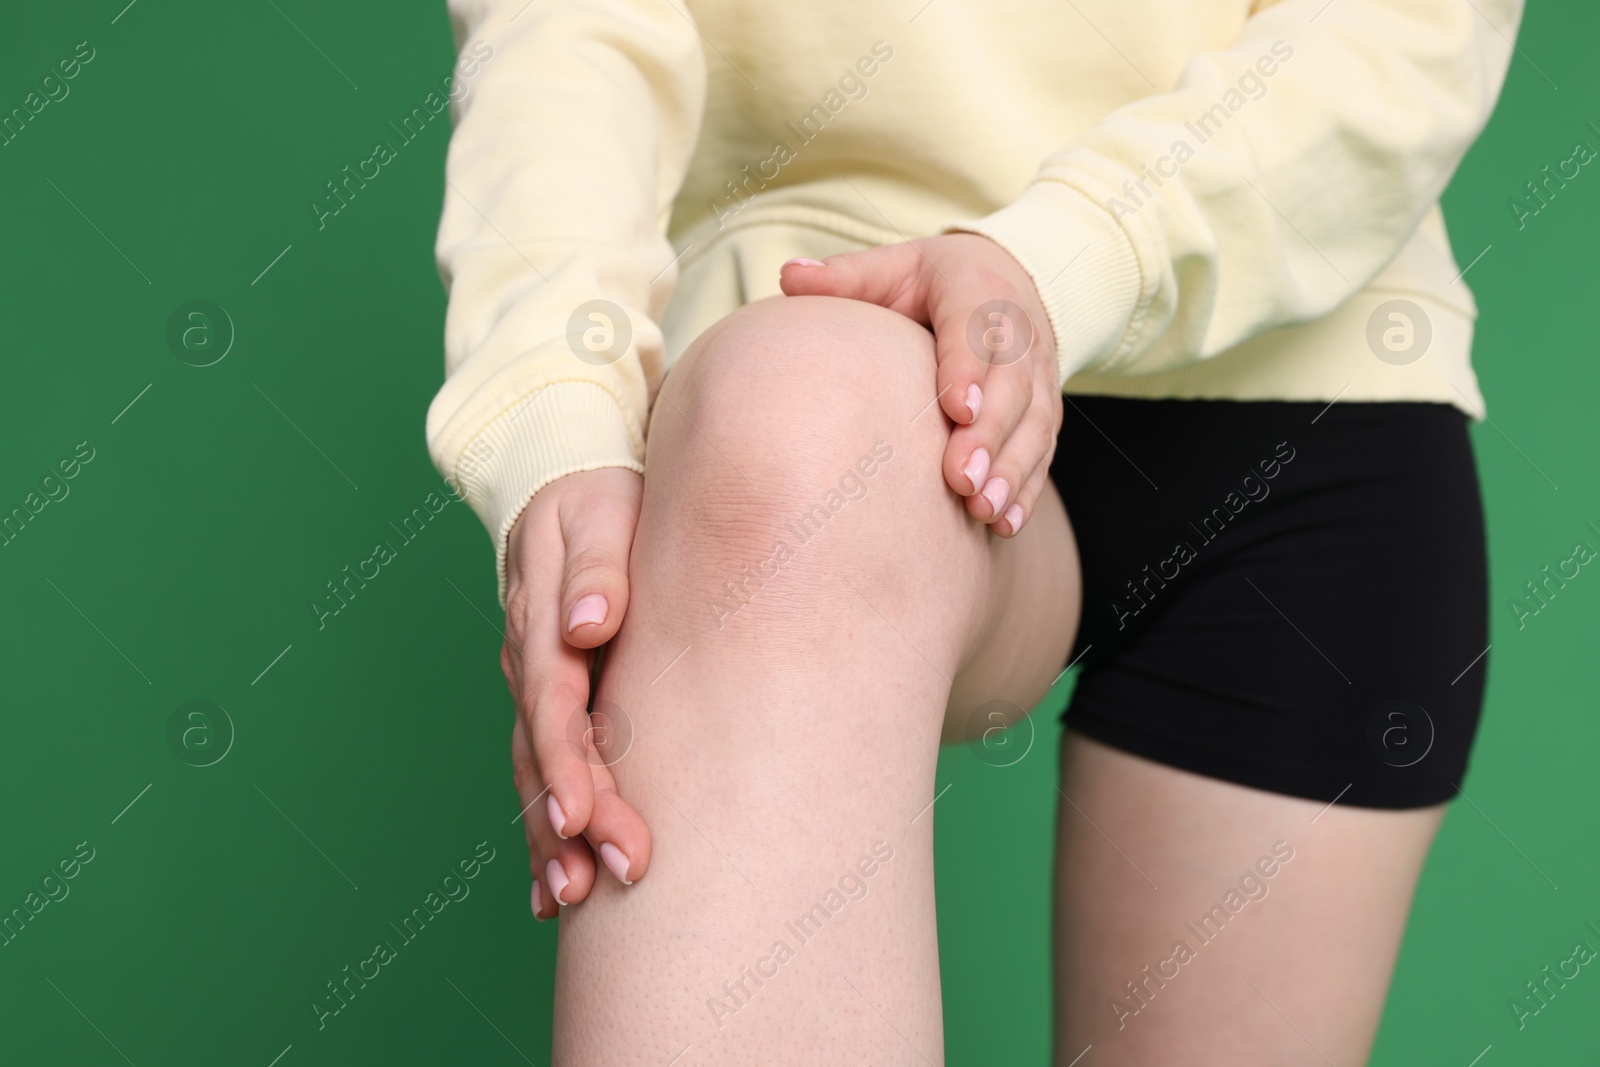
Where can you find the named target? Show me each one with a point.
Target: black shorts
(1290, 596)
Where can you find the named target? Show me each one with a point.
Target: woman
(853, 539)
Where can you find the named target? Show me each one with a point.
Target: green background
(372, 755)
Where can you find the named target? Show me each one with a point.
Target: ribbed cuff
(564, 428)
(1080, 260)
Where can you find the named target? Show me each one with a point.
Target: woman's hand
(998, 378)
(566, 592)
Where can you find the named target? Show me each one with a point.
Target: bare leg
(1294, 969)
(786, 733)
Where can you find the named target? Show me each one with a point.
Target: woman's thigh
(1202, 922)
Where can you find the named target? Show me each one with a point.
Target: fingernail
(1014, 517)
(588, 609)
(616, 861)
(558, 818)
(974, 400)
(537, 901)
(995, 493)
(977, 466)
(557, 879)
(801, 261)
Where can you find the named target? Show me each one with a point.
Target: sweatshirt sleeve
(1274, 181)
(571, 138)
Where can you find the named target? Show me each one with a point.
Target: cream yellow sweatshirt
(1214, 198)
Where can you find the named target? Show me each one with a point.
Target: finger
(556, 720)
(563, 871)
(530, 791)
(891, 276)
(616, 833)
(598, 534)
(1020, 510)
(971, 454)
(552, 677)
(567, 875)
(1029, 443)
(979, 331)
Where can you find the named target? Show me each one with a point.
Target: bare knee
(800, 374)
(795, 444)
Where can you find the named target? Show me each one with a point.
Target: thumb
(598, 536)
(890, 276)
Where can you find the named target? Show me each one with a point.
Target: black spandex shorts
(1290, 596)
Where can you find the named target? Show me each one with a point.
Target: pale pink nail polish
(557, 877)
(974, 400)
(558, 818)
(977, 467)
(801, 261)
(537, 900)
(1014, 517)
(995, 493)
(614, 859)
(588, 609)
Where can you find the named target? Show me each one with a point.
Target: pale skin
(753, 754)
